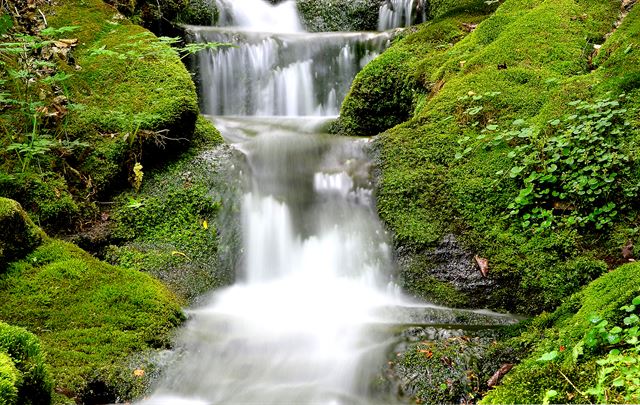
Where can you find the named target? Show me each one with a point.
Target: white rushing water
(401, 13)
(303, 324)
(284, 74)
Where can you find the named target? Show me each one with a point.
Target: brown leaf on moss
(497, 376)
(483, 264)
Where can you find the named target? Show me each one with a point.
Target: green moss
(528, 381)
(9, 379)
(206, 134)
(32, 381)
(130, 99)
(384, 92)
(170, 229)
(19, 234)
(89, 315)
(46, 196)
(525, 61)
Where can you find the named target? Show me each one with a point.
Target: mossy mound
(9, 379)
(131, 87)
(572, 372)
(19, 234)
(172, 228)
(384, 93)
(115, 95)
(90, 317)
(24, 375)
(443, 174)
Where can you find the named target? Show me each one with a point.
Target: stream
(314, 311)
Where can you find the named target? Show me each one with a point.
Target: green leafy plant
(146, 46)
(573, 171)
(618, 373)
(32, 75)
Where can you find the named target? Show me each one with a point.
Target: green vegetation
(129, 97)
(84, 109)
(9, 378)
(170, 228)
(385, 92)
(24, 376)
(545, 177)
(20, 235)
(448, 370)
(573, 355)
(90, 316)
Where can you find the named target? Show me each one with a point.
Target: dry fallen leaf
(138, 372)
(497, 376)
(483, 264)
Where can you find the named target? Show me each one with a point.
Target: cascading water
(278, 69)
(401, 13)
(302, 324)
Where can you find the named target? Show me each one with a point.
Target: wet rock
(446, 274)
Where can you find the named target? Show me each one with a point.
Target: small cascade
(401, 13)
(284, 74)
(259, 15)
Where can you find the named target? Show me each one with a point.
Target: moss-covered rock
(90, 317)
(441, 371)
(386, 91)
(127, 98)
(9, 378)
(339, 15)
(467, 78)
(24, 375)
(19, 234)
(176, 228)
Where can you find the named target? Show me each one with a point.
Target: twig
(574, 387)
(46, 24)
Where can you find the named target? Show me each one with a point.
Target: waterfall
(292, 74)
(305, 321)
(401, 13)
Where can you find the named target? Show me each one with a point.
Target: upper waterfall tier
(401, 13)
(260, 15)
(281, 74)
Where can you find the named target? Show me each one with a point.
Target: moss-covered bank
(113, 103)
(110, 96)
(456, 85)
(90, 316)
(172, 227)
(509, 177)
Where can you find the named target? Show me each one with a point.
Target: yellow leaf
(138, 372)
(205, 224)
(176, 253)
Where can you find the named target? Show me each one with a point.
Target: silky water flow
(302, 323)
